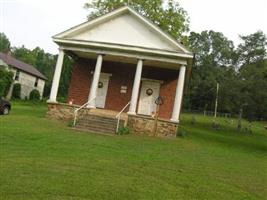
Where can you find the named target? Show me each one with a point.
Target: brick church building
(123, 63)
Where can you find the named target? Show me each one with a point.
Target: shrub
(35, 95)
(16, 91)
(180, 132)
(123, 131)
(61, 99)
(6, 79)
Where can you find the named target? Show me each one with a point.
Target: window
(17, 75)
(36, 82)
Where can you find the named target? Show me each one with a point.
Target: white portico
(124, 36)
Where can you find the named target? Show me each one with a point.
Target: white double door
(102, 90)
(147, 104)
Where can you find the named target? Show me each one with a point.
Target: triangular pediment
(123, 27)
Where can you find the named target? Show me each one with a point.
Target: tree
(16, 93)
(4, 42)
(45, 63)
(213, 58)
(252, 49)
(168, 15)
(65, 77)
(242, 86)
(34, 95)
(24, 54)
(6, 79)
(254, 77)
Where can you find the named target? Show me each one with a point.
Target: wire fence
(210, 113)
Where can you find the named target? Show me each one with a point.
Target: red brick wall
(122, 74)
(80, 81)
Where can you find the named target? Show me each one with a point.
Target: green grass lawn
(44, 159)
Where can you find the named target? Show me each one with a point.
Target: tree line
(241, 70)
(43, 61)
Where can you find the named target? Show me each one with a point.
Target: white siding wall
(127, 30)
(27, 82)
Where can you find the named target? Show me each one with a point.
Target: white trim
(178, 95)
(95, 21)
(158, 30)
(152, 80)
(94, 84)
(102, 73)
(56, 78)
(122, 47)
(129, 55)
(113, 14)
(136, 87)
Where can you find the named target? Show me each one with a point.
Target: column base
(174, 120)
(90, 106)
(131, 113)
(51, 101)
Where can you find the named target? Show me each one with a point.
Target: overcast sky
(33, 22)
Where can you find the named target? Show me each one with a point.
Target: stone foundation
(61, 111)
(136, 123)
(145, 125)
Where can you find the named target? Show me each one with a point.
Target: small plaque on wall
(123, 89)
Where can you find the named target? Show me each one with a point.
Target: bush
(6, 79)
(180, 132)
(35, 95)
(123, 131)
(16, 91)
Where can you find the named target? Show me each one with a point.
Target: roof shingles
(8, 59)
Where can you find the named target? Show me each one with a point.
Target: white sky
(33, 22)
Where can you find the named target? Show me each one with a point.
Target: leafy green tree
(168, 15)
(4, 42)
(24, 54)
(213, 57)
(34, 95)
(46, 63)
(242, 86)
(254, 77)
(6, 79)
(252, 48)
(65, 77)
(16, 91)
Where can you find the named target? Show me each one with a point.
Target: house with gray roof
(26, 75)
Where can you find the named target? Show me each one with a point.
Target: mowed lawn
(44, 159)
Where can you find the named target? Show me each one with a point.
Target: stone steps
(98, 124)
(81, 129)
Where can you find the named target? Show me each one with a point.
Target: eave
(128, 51)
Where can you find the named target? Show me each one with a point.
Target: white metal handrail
(118, 116)
(78, 109)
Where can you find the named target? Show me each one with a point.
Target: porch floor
(108, 113)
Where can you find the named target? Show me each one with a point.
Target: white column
(136, 86)
(179, 95)
(94, 86)
(57, 73)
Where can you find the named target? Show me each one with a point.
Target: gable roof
(158, 34)
(8, 59)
